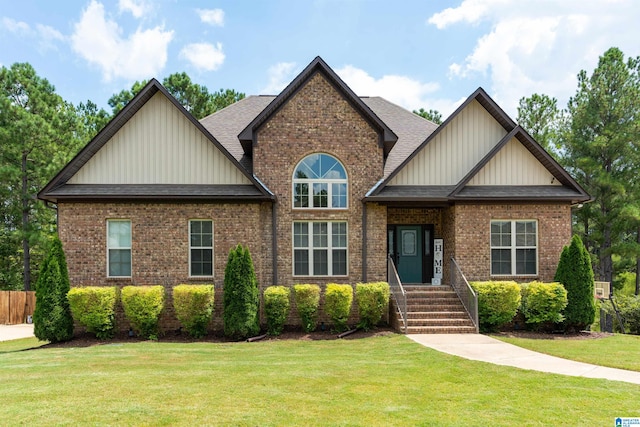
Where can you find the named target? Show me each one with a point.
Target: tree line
(39, 133)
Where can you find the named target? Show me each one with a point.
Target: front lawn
(615, 351)
(384, 380)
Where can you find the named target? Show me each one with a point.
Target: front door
(410, 248)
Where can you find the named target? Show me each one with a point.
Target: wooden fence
(15, 306)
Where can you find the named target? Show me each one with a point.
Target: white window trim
(312, 181)
(110, 220)
(514, 248)
(310, 249)
(201, 247)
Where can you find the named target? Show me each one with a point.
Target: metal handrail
(465, 292)
(397, 290)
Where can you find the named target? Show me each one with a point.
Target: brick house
(322, 185)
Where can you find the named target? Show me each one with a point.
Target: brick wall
(472, 236)
(160, 245)
(318, 119)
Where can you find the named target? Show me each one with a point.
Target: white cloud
(17, 27)
(531, 47)
(402, 90)
(48, 36)
(204, 56)
(280, 75)
(211, 16)
(99, 41)
(138, 8)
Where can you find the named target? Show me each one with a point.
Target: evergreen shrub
(373, 301)
(307, 300)
(52, 319)
(241, 298)
(142, 307)
(193, 305)
(498, 303)
(276, 308)
(576, 275)
(94, 307)
(543, 303)
(337, 304)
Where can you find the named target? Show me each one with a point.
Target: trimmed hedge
(498, 302)
(337, 304)
(142, 307)
(241, 299)
(94, 307)
(543, 302)
(276, 308)
(193, 305)
(307, 300)
(373, 302)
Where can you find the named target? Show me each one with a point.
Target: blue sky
(429, 54)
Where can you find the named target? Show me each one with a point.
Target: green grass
(616, 351)
(386, 380)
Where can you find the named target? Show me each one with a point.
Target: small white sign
(438, 256)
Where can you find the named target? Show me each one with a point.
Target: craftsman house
(322, 185)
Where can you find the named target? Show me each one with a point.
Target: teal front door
(409, 253)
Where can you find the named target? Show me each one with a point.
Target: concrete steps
(433, 310)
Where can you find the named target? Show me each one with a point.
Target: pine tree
(52, 315)
(241, 298)
(576, 275)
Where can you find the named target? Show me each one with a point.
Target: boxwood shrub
(276, 308)
(373, 302)
(543, 303)
(142, 307)
(498, 302)
(193, 305)
(94, 308)
(337, 304)
(307, 300)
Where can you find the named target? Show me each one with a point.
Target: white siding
(455, 150)
(513, 165)
(159, 145)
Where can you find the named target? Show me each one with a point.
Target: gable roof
(53, 190)
(248, 135)
(569, 190)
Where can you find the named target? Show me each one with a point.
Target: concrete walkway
(487, 349)
(14, 332)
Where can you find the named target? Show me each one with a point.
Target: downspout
(364, 241)
(274, 243)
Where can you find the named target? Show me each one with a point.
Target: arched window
(320, 181)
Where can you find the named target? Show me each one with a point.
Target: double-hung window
(118, 248)
(319, 248)
(319, 182)
(514, 248)
(200, 247)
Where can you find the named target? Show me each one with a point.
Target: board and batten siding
(514, 165)
(159, 145)
(455, 150)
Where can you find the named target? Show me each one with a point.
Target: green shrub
(498, 302)
(193, 305)
(94, 307)
(142, 307)
(576, 275)
(629, 307)
(241, 299)
(373, 302)
(337, 304)
(52, 319)
(276, 308)
(307, 300)
(543, 303)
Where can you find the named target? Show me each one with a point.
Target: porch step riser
(439, 322)
(441, 330)
(436, 314)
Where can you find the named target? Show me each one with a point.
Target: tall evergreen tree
(540, 116)
(576, 275)
(52, 315)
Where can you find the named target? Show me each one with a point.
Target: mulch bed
(88, 340)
